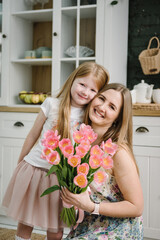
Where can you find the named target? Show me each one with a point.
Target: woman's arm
(129, 184)
(33, 135)
(128, 181)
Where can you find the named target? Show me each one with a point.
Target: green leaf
(50, 190)
(59, 176)
(63, 183)
(64, 172)
(70, 176)
(53, 169)
(68, 216)
(84, 189)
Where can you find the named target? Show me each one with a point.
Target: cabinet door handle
(142, 130)
(55, 34)
(4, 36)
(18, 124)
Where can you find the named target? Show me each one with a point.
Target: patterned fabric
(98, 227)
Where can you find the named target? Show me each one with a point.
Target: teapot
(143, 92)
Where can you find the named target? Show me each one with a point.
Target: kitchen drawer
(16, 125)
(146, 131)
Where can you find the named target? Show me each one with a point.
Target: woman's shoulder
(123, 158)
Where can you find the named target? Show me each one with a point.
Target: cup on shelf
(156, 95)
(29, 54)
(47, 54)
(133, 95)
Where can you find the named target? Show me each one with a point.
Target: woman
(112, 211)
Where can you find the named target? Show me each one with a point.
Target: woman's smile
(105, 108)
(98, 113)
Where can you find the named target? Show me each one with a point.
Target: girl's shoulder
(50, 105)
(50, 102)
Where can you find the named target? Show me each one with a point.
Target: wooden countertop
(145, 109)
(138, 109)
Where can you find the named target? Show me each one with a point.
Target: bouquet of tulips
(76, 166)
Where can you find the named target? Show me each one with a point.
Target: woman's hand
(81, 200)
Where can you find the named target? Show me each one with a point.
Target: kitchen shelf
(35, 15)
(40, 61)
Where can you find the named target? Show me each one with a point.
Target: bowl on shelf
(32, 97)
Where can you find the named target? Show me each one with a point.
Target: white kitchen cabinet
(59, 25)
(147, 153)
(69, 23)
(14, 128)
(9, 152)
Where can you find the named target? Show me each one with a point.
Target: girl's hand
(81, 200)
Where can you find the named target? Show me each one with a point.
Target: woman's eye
(82, 84)
(112, 107)
(101, 98)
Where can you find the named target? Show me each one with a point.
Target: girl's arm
(128, 181)
(33, 135)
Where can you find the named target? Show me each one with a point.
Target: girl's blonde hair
(121, 130)
(86, 68)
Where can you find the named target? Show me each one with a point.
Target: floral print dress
(97, 227)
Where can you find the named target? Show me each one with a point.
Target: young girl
(64, 113)
(114, 209)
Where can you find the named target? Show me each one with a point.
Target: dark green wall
(144, 23)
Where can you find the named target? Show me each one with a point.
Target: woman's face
(105, 108)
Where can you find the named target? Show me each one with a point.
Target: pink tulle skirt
(23, 202)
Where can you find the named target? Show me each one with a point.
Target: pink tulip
(80, 180)
(95, 161)
(53, 158)
(96, 150)
(78, 136)
(46, 151)
(81, 150)
(84, 127)
(64, 142)
(109, 147)
(68, 151)
(51, 133)
(51, 142)
(107, 162)
(100, 177)
(83, 168)
(74, 160)
(90, 135)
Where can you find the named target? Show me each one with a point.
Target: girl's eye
(82, 84)
(93, 90)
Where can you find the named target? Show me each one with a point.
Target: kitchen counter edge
(138, 109)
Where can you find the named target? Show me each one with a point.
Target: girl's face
(105, 108)
(83, 90)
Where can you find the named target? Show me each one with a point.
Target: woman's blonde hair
(121, 130)
(86, 68)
